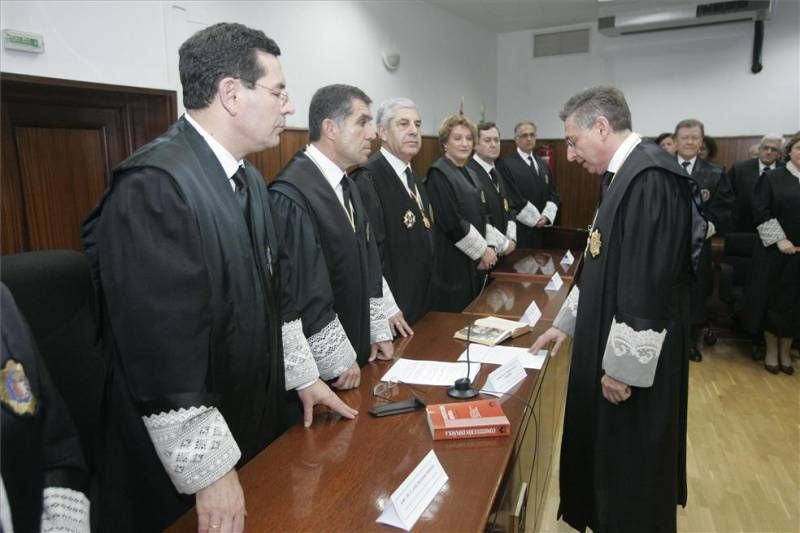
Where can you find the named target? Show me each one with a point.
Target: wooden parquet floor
(743, 448)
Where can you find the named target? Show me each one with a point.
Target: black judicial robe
(535, 187)
(404, 242)
(458, 203)
(312, 220)
(40, 446)
(623, 467)
(192, 316)
(743, 177)
(501, 202)
(773, 291)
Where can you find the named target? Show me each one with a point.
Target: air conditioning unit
(684, 17)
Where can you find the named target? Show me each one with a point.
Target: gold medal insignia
(706, 194)
(15, 389)
(426, 222)
(505, 204)
(409, 219)
(595, 243)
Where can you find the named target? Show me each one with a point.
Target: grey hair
(691, 123)
(771, 137)
(388, 108)
(587, 105)
(518, 125)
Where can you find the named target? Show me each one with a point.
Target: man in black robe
(44, 478)
(623, 454)
(531, 176)
(339, 295)
(717, 195)
(399, 213)
(185, 255)
(744, 175)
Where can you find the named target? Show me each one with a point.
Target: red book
(467, 420)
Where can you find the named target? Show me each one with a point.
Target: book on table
(492, 330)
(467, 420)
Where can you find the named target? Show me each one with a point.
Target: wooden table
(338, 475)
(535, 265)
(510, 298)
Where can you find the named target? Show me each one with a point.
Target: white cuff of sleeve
(568, 314)
(305, 385)
(632, 356)
(511, 231)
(378, 324)
(472, 244)
(770, 232)
(711, 230)
(64, 510)
(194, 445)
(550, 210)
(390, 307)
(333, 352)
(529, 215)
(298, 361)
(496, 239)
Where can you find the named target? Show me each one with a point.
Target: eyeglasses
(281, 95)
(385, 390)
(571, 142)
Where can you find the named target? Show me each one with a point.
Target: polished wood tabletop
(511, 298)
(536, 265)
(338, 474)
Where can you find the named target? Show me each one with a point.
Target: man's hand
(512, 245)
(614, 391)
(320, 394)
(383, 350)
(554, 335)
(543, 221)
(786, 247)
(220, 506)
(488, 259)
(399, 326)
(349, 379)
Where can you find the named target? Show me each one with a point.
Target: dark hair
(791, 142)
(220, 51)
(691, 123)
(485, 126)
(591, 103)
(662, 137)
(711, 146)
(450, 122)
(334, 102)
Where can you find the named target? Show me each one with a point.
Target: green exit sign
(23, 41)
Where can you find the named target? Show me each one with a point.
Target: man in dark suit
(717, 196)
(744, 175)
(532, 178)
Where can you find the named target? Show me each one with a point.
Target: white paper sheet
(500, 355)
(504, 378)
(555, 283)
(414, 494)
(429, 372)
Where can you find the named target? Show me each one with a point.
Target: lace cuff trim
(194, 445)
(568, 314)
(496, 239)
(473, 244)
(332, 350)
(378, 324)
(64, 510)
(298, 361)
(711, 230)
(511, 230)
(550, 210)
(529, 215)
(632, 356)
(390, 307)
(770, 232)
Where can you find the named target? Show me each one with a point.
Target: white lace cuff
(194, 445)
(632, 356)
(64, 511)
(473, 244)
(511, 231)
(298, 361)
(333, 351)
(378, 324)
(496, 239)
(770, 232)
(550, 210)
(390, 307)
(529, 215)
(568, 314)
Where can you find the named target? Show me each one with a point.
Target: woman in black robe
(460, 217)
(773, 302)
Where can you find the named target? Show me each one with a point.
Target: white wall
(135, 43)
(666, 76)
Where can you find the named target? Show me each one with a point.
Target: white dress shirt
(229, 163)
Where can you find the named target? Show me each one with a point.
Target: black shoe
(695, 355)
(757, 353)
(788, 370)
(772, 369)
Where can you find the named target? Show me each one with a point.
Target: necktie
(410, 179)
(240, 180)
(534, 168)
(493, 176)
(763, 172)
(607, 177)
(348, 200)
(685, 165)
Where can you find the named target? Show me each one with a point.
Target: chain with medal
(409, 219)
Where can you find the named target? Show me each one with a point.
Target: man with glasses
(531, 176)
(623, 453)
(744, 175)
(184, 250)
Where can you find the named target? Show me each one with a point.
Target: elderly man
(400, 214)
(715, 190)
(531, 176)
(744, 175)
(623, 454)
(185, 253)
(339, 294)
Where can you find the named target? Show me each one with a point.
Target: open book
(492, 330)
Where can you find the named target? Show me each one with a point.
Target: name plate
(413, 496)
(532, 314)
(555, 283)
(504, 378)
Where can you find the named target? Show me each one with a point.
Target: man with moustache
(339, 292)
(718, 199)
(533, 180)
(745, 174)
(399, 213)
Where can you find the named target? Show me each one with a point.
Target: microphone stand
(462, 389)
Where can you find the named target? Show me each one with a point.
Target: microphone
(462, 389)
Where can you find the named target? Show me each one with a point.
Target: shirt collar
(691, 161)
(229, 163)
(486, 166)
(397, 164)
(624, 150)
(524, 155)
(328, 168)
(762, 166)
